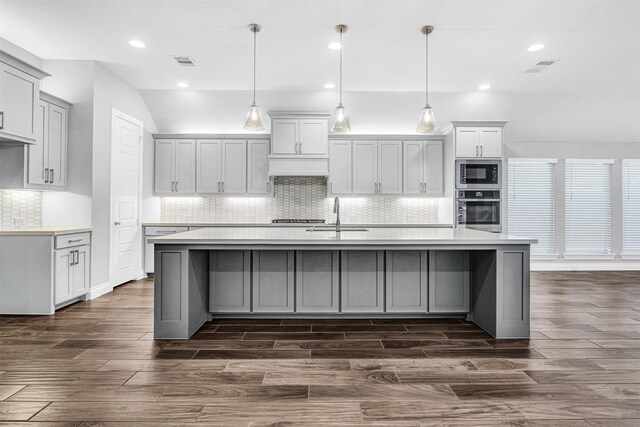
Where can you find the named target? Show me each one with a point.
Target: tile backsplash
(299, 198)
(20, 209)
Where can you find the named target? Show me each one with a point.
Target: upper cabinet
(477, 138)
(43, 164)
(339, 167)
(423, 163)
(224, 166)
(377, 167)
(19, 95)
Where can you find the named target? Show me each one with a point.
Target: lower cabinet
(362, 278)
(449, 282)
(230, 281)
(273, 281)
(71, 273)
(406, 281)
(317, 281)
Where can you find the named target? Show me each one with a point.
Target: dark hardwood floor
(96, 364)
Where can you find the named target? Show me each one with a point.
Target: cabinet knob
(117, 223)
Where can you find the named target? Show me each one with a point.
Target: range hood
(298, 166)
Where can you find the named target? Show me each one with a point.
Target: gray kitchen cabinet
(406, 281)
(377, 167)
(273, 281)
(230, 281)
(72, 267)
(19, 94)
(449, 281)
(221, 166)
(297, 135)
(423, 168)
(151, 232)
(317, 281)
(340, 167)
(476, 138)
(258, 181)
(362, 279)
(175, 164)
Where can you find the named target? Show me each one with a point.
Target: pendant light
(341, 124)
(254, 117)
(427, 123)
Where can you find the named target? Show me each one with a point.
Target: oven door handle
(480, 200)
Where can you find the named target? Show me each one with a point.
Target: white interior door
(125, 195)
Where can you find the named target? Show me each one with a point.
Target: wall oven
(479, 209)
(478, 174)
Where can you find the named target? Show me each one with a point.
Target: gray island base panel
(384, 272)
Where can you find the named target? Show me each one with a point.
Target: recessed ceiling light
(137, 43)
(183, 84)
(329, 86)
(335, 45)
(536, 47)
(484, 87)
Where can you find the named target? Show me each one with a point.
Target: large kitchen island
(258, 272)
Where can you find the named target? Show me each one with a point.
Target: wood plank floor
(96, 363)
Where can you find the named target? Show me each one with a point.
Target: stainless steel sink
(333, 229)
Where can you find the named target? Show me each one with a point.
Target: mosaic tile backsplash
(299, 198)
(20, 209)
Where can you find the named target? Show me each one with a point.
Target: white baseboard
(99, 290)
(585, 266)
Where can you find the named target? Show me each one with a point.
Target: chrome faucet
(336, 210)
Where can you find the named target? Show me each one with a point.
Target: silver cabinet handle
(76, 257)
(331, 187)
(218, 186)
(1, 119)
(71, 257)
(268, 186)
(46, 175)
(477, 151)
(172, 182)
(300, 147)
(176, 186)
(223, 186)
(114, 223)
(481, 151)
(52, 175)
(379, 187)
(79, 240)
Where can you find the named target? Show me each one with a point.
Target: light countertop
(269, 224)
(43, 231)
(374, 236)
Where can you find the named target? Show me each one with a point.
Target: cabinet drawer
(161, 231)
(70, 240)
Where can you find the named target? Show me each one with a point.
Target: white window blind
(530, 209)
(631, 206)
(588, 207)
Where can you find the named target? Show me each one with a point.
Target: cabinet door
(317, 278)
(449, 281)
(185, 166)
(390, 167)
(81, 271)
(365, 167)
(362, 281)
(434, 168)
(164, 171)
(234, 167)
(63, 276)
(208, 165)
(37, 153)
(272, 279)
(466, 142)
(57, 145)
(313, 136)
(490, 141)
(229, 281)
(340, 167)
(413, 167)
(258, 167)
(406, 281)
(19, 94)
(284, 136)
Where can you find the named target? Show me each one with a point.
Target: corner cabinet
(212, 166)
(19, 95)
(42, 165)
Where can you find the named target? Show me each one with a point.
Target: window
(531, 210)
(588, 207)
(631, 207)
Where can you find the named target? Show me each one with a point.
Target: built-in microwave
(480, 174)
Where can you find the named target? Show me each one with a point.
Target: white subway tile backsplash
(299, 198)
(20, 209)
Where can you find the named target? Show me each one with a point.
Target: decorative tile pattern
(299, 198)
(20, 209)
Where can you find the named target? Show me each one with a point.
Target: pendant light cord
(341, 48)
(426, 74)
(254, 66)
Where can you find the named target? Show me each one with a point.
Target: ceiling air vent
(541, 66)
(184, 61)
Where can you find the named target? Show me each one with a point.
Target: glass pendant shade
(427, 123)
(341, 124)
(254, 119)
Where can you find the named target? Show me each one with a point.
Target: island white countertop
(374, 236)
(271, 224)
(44, 231)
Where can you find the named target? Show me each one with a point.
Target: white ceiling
(597, 43)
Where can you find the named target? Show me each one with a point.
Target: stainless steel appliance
(478, 174)
(479, 209)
